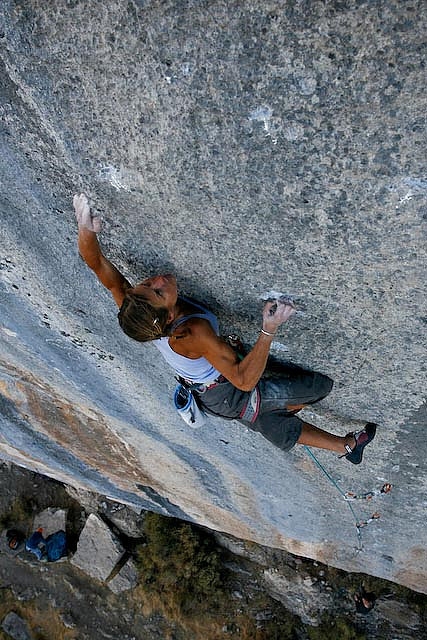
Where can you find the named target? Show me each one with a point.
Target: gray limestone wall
(245, 146)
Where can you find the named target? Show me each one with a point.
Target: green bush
(183, 574)
(335, 629)
(20, 513)
(179, 562)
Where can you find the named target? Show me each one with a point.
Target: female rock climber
(186, 335)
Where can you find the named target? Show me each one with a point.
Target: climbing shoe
(362, 438)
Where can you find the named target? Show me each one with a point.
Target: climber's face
(159, 290)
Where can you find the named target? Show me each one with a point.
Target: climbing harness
(349, 496)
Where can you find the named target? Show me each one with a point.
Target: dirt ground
(57, 599)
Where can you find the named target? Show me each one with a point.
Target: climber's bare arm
(200, 340)
(89, 225)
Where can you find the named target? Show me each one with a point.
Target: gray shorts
(270, 416)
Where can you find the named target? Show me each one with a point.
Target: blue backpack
(56, 546)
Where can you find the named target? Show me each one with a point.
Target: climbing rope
(349, 496)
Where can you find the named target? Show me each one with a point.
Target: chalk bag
(186, 406)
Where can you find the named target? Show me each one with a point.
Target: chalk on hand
(282, 298)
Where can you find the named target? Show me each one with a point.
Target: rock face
(50, 520)
(98, 550)
(247, 147)
(16, 627)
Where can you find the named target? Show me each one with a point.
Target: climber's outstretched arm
(89, 225)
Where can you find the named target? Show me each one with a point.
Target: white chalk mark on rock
(278, 346)
(275, 295)
(8, 332)
(264, 114)
(284, 297)
(114, 177)
(294, 131)
(419, 185)
(307, 85)
(414, 188)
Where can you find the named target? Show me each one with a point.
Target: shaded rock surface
(129, 520)
(125, 579)
(245, 146)
(297, 595)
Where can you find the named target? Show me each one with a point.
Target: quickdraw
(364, 523)
(349, 497)
(386, 488)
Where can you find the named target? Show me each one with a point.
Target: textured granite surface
(246, 146)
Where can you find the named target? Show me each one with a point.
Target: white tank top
(198, 370)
